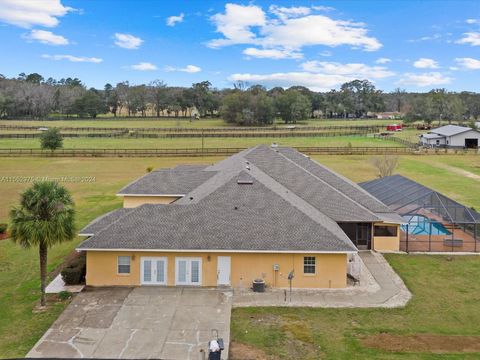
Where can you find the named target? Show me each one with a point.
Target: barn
(453, 136)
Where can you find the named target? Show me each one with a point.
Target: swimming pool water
(420, 225)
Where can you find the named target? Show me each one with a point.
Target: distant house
(452, 136)
(388, 115)
(265, 212)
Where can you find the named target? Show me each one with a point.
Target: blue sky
(415, 45)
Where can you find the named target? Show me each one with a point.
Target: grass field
(183, 143)
(20, 328)
(445, 302)
(163, 122)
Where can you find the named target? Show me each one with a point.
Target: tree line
(32, 96)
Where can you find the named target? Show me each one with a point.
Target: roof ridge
(330, 224)
(327, 184)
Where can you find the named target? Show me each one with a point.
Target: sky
(413, 45)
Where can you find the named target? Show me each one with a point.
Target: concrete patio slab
(143, 322)
(379, 286)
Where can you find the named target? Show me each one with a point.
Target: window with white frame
(124, 264)
(309, 265)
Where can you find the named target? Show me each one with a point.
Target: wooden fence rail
(367, 128)
(193, 152)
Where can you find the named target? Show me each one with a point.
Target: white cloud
(315, 82)
(472, 21)
(28, 13)
(144, 66)
(236, 23)
(322, 8)
(46, 37)
(352, 70)
(424, 79)
(427, 38)
(289, 12)
(472, 38)
(316, 75)
(425, 63)
(272, 53)
(173, 20)
(188, 69)
(73, 58)
(383, 60)
(127, 41)
(468, 63)
(287, 30)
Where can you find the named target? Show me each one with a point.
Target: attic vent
(274, 145)
(244, 182)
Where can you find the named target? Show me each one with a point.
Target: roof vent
(247, 167)
(244, 182)
(274, 145)
(191, 197)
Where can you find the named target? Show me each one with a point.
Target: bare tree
(385, 164)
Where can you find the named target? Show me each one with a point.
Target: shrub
(149, 169)
(51, 139)
(3, 228)
(72, 275)
(64, 295)
(75, 272)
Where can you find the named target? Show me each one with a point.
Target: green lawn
(446, 301)
(139, 143)
(203, 123)
(20, 328)
(19, 274)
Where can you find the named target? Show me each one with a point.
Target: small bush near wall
(3, 228)
(75, 272)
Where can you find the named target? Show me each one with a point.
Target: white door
(223, 270)
(188, 271)
(153, 271)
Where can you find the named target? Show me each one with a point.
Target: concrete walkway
(58, 285)
(379, 286)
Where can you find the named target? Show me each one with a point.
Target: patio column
(475, 236)
(406, 234)
(430, 236)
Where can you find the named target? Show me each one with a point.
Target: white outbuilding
(452, 136)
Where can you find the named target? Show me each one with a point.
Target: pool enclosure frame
(409, 198)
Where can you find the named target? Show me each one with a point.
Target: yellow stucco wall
(387, 243)
(331, 269)
(134, 201)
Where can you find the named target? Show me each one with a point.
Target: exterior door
(188, 271)
(223, 270)
(363, 235)
(153, 271)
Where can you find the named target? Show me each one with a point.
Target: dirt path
(459, 171)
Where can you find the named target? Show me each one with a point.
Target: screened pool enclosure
(433, 222)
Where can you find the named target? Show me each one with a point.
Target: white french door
(153, 271)
(188, 271)
(223, 270)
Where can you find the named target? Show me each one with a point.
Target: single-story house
(452, 136)
(263, 213)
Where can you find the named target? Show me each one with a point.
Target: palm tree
(45, 217)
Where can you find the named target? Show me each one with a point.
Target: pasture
(434, 309)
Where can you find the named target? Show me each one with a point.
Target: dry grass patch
(423, 343)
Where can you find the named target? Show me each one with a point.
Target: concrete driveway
(134, 323)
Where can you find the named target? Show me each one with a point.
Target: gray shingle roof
(235, 217)
(294, 204)
(103, 221)
(309, 187)
(178, 181)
